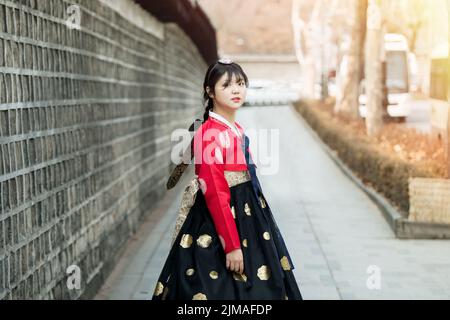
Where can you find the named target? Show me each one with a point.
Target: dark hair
(213, 74)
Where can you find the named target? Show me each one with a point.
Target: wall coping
(136, 15)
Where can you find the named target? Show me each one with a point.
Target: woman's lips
(236, 99)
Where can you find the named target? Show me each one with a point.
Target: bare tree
(305, 31)
(416, 21)
(352, 62)
(374, 68)
(406, 17)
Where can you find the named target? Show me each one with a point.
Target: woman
(227, 245)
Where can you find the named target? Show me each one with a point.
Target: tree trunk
(374, 68)
(309, 77)
(304, 45)
(363, 22)
(448, 97)
(349, 78)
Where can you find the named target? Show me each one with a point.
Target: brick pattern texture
(85, 122)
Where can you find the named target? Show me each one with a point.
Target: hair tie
(225, 61)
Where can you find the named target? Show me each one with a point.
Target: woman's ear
(208, 90)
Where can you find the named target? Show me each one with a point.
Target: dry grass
(385, 162)
(407, 144)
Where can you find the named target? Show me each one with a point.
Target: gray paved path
(337, 237)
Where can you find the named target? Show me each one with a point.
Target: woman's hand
(235, 261)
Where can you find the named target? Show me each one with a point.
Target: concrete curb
(402, 227)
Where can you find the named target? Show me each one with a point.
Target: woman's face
(230, 94)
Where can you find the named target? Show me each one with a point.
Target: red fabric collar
(227, 127)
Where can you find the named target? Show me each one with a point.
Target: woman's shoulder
(212, 124)
(208, 130)
(211, 129)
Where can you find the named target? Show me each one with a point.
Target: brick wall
(85, 123)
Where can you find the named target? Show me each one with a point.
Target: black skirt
(195, 268)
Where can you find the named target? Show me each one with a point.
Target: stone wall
(85, 122)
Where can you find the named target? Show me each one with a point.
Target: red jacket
(217, 149)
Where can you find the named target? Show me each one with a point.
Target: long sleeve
(217, 194)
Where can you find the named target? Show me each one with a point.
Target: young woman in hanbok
(226, 244)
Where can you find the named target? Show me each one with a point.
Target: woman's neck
(228, 114)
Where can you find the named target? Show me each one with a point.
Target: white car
(401, 69)
(398, 106)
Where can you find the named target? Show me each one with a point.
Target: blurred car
(399, 62)
(398, 106)
(269, 92)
